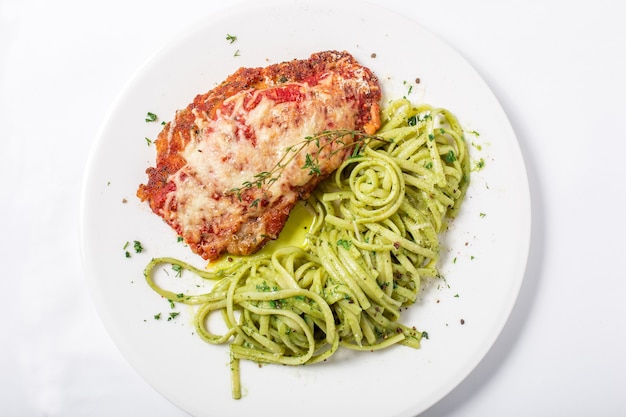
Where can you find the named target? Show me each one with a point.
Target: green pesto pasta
(375, 236)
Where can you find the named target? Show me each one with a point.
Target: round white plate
(485, 249)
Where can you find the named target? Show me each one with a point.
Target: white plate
(483, 263)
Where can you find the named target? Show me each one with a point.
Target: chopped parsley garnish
(480, 164)
(151, 117)
(148, 141)
(137, 246)
(178, 269)
(231, 38)
(450, 157)
(344, 243)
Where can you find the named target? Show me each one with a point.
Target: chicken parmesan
(243, 128)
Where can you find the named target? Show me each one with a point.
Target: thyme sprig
(311, 161)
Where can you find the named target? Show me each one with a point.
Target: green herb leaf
(178, 269)
(450, 157)
(137, 246)
(346, 244)
(356, 151)
(231, 38)
(480, 164)
(151, 117)
(312, 164)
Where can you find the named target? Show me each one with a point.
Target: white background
(559, 71)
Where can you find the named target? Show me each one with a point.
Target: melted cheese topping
(250, 134)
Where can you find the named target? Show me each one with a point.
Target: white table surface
(559, 70)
